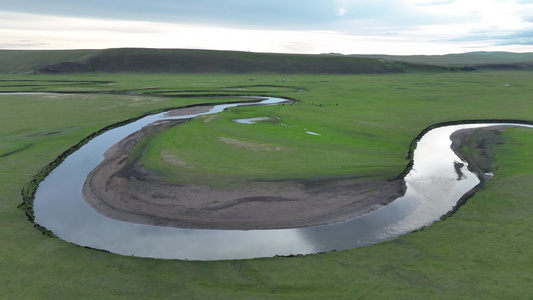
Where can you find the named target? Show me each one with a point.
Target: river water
(433, 188)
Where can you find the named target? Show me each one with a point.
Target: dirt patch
(249, 145)
(210, 118)
(172, 159)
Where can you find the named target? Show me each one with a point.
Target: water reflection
(432, 190)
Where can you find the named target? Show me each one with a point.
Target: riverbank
(475, 145)
(122, 189)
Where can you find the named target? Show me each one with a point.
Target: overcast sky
(289, 26)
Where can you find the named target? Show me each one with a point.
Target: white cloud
(432, 2)
(311, 26)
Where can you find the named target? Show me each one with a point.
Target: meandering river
(433, 188)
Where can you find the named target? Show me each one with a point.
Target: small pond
(433, 189)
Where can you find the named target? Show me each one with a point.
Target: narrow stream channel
(432, 190)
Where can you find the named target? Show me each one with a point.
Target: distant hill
(23, 62)
(143, 60)
(480, 59)
(191, 61)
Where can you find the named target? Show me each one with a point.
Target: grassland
(280, 150)
(482, 252)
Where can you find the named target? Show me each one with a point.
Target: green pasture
(481, 252)
(365, 130)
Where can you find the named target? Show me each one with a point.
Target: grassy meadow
(366, 122)
(365, 130)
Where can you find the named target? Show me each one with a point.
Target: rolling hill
(145, 60)
(472, 59)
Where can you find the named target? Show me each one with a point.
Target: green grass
(481, 252)
(274, 151)
(366, 132)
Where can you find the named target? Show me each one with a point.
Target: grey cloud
(397, 15)
(523, 42)
(435, 3)
(528, 17)
(21, 44)
(271, 13)
(499, 37)
(277, 14)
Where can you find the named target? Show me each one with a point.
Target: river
(433, 188)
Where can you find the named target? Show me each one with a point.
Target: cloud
(47, 32)
(524, 37)
(303, 26)
(22, 44)
(259, 14)
(42, 23)
(436, 3)
(499, 37)
(526, 15)
(522, 41)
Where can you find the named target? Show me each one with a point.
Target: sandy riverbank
(480, 141)
(123, 190)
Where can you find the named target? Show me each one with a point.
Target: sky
(397, 27)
